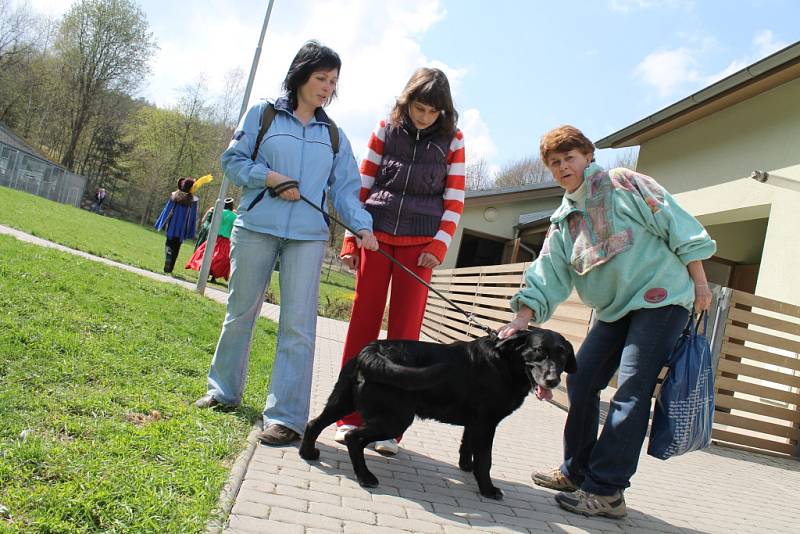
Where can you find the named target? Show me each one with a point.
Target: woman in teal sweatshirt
(635, 256)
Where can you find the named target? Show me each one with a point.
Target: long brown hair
(429, 87)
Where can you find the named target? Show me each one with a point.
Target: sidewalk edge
(227, 497)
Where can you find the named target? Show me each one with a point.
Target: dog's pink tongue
(543, 393)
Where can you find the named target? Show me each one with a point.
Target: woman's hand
(702, 297)
(367, 240)
(428, 260)
(351, 261)
(702, 294)
(520, 322)
(274, 179)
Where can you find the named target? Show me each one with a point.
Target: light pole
(223, 188)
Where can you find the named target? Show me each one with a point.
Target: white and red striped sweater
(453, 197)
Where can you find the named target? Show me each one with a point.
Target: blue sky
(518, 68)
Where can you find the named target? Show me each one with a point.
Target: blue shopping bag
(684, 412)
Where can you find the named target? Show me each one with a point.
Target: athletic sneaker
(553, 479)
(590, 504)
(386, 446)
(341, 432)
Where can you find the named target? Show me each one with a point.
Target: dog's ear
(571, 366)
(513, 341)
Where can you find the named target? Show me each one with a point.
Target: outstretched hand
(519, 323)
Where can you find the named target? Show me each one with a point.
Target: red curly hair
(563, 139)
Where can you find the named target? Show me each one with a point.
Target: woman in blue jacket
(297, 155)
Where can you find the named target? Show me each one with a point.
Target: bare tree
(103, 45)
(627, 158)
(229, 102)
(17, 34)
(477, 176)
(525, 171)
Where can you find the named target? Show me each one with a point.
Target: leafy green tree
(103, 45)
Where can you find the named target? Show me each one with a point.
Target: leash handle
(470, 317)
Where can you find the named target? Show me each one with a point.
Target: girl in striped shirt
(412, 183)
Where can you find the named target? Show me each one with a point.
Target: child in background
(221, 258)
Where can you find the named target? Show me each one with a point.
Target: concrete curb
(227, 497)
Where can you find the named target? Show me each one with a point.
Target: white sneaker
(387, 446)
(341, 432)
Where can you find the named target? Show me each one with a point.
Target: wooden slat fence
(485, 292)
(758, 377)
(757, 389)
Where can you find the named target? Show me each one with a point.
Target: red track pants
(406, 306)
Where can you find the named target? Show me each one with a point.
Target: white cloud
(379, 43)
(626, 6)
(675, 71)
(764, 44)
(668, 70)
(51, 8)
(478, 139)
(376, 63)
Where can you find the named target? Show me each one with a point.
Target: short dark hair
(429, 87)
(312, 57)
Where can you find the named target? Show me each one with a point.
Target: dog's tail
(377, 367)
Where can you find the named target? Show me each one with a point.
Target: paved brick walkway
(717, 490)
(422, 489)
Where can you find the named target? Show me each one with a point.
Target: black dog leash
(292, 184)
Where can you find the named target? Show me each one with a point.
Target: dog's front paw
(493, 493)
(309, 453)
(367, 480)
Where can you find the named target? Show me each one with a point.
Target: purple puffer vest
(407, 196)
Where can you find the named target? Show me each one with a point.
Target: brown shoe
(276, 435)
(553, 479)
(208, 401)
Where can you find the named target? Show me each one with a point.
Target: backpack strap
(266, 121)
(333, 131)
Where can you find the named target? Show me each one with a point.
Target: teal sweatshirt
(626, 248)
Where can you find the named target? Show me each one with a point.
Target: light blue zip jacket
(626, 251)
(300, 152)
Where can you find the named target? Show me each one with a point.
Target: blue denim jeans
(638, 345)
(253, 257)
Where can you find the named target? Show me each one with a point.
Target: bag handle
(694, 323)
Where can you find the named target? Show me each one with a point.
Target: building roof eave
(512, 194)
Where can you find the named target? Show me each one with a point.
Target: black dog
(473, 384)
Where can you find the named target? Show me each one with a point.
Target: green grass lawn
(130, 243)
(98, 369)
